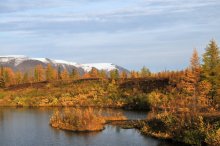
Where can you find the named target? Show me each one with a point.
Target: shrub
(77, 120)
(213, 137)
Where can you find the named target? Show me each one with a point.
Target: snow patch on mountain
(44, 60)
(20, 60)
(5, 59)
(64, 62)
(16, 60)
(99, 66)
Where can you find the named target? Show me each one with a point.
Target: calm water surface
(30, 127)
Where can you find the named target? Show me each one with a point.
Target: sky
(158, 34)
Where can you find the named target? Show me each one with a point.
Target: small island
(79, 120)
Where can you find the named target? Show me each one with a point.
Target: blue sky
(160, 34)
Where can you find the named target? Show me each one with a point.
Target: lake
(30, 127)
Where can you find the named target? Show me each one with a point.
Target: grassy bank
(202, 132)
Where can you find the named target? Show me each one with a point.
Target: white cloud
(55, 11)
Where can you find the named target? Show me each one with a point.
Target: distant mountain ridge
(24, 64)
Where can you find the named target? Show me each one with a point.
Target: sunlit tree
(74, 74)
(145, 72)
(59, 71)
(39, 73)
(134, 74)
(123, 75)
(65, 75)
(211, 68)
(103, 74)
(94, 73)
(18, 77)
(114, 74)
(25, 78)
(49, 72)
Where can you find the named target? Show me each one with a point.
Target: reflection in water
(30, 127)
(1, 115)
(118, 129)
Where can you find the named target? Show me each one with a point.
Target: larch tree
(36, 76)
(39, 73)
(114, 74)
(195, 69)
(103, 74)
(65, 75)
(190, 89)
(9, 76)
(145, 72)
(134, 74)
(59, 72)
(49, 72)
(211, 69)
(2, 71)
(74, 74)
(86, 75)
(94, 73)
(25, 78)
(54, 74)
(2, 81)
(18, 76)
(123, 75)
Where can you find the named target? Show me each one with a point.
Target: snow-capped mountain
(24, 63)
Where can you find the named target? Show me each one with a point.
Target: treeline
(10, 77)
(39, 73)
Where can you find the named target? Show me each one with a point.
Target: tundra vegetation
(88, 119)
(184, 105)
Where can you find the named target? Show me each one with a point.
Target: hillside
(129, 93)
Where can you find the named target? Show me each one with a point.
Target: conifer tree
(94, 73)
(195, 66)
(145, 72)
(38, 73)
(195, 69)
(191, 88)
(123, 75)
(74, 74)
(18, 76)
(36, 79)
(114, 74)
(9, 76)
(134, 74)
(2, 82)
(59, 72)
(25, 78)
(86, 75)
(103, 74)
(49, 72)
(54, 74)
(2, 71)
(65, 75)
(211, 68)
